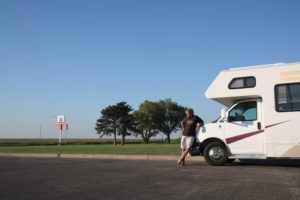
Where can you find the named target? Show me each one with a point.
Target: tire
(215, 154)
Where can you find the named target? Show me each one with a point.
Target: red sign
(62, 126)
(58, 126)
(65, 127)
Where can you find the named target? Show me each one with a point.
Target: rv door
(243, 128)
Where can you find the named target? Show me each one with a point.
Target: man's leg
(188, 144)
(182, 145)
(183, 160)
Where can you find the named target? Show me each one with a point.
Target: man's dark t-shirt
(190, 125)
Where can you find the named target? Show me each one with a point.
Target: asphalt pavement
(52, 178)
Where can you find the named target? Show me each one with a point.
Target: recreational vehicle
(263, 116)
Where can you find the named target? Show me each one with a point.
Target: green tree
(114, 120)
(145, 121)
(169, 117)
(125, 125)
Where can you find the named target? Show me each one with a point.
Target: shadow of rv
(268, 162)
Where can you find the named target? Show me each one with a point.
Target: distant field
(128, 149)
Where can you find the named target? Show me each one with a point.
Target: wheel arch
(209, 140)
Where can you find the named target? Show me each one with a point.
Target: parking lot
(50, 178)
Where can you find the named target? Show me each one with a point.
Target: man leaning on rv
(190, 125)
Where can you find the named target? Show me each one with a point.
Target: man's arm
(199, 126)
(201, 123)
(182, 126)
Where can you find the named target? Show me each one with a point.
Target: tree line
(150, 119)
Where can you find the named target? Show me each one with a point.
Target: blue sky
(74, 57)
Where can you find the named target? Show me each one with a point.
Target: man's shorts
(187, 142)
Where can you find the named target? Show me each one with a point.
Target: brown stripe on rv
(276, 124)
(243, 136)
(240, 137)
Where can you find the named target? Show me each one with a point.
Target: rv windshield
(246, 111)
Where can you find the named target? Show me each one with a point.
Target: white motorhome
(263, 115)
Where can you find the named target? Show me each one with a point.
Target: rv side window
(246, 111)
(287, 97)
(243, 82)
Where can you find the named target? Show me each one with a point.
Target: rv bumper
(196, 150)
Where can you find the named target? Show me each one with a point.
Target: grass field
(52, 141)
(128, 149)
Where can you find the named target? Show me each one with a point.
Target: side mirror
(223, 114)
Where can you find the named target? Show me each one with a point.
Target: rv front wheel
(215, 154)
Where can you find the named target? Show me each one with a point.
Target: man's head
(189, 113)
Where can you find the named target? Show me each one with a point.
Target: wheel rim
(216, 153)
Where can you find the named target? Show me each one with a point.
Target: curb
(100, 156)
(29, 155)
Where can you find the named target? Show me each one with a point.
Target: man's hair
(190, 110)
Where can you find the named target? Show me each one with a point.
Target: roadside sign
(58, 127)
(65, 127)
(62, 127)
(61, 119)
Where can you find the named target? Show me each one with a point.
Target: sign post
(65, 127)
